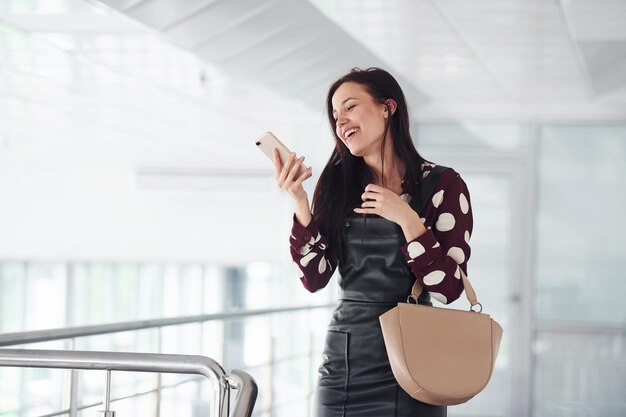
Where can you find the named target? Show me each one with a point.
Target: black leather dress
(355, 378)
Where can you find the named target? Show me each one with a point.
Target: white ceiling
(189, 83)
(111, 112)
(564, 59)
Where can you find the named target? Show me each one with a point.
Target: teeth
(350, 132)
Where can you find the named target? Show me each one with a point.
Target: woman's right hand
(285, 175)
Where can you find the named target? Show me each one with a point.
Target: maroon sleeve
(438, 257)
(308, 251)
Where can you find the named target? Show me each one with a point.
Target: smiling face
(359, 120)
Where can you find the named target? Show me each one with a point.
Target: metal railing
(36, 336)
(144, 362)
(71, 333)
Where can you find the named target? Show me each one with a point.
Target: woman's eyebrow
(349, 98)
(343, 102)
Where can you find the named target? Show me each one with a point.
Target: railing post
(70, 400)
(159, 375)
(270, 391)
(309, 383)
(107, 398)
(224, 397)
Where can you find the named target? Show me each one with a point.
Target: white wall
(59, 208)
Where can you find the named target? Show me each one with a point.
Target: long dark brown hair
(345, 176)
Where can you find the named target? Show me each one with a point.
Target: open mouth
(349, 133)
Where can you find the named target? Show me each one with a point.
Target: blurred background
(131, 188)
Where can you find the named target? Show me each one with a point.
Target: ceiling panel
(600, 31)
(266, 41)
(160, 14)
(161, 82)
(524, 43)
(123, 95)
(416, 43)
(606, 63)
(597, 19)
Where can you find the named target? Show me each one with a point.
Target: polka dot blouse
(437, 258)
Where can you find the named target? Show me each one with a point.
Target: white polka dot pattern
(463, 203)
(307, 258)
(438, 256)
(445, 222)
(434, 277)
(322, 265)
(300, 273)
(439, 297)
(456, 254)
(305, 249)
(415, 249)
(438, 198)
(309, 253)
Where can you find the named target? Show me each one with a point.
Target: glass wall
(563, 314)
(281, 351)
(488, 158)
(547, 263)
(579, 346)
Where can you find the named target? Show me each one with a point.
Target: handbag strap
(469, 292)
(427, 187)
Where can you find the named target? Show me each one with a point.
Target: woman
(384, 216)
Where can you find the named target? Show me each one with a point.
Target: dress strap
(427, 186)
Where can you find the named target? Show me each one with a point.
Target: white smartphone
(268, 142)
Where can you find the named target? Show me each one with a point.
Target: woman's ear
(391, 105)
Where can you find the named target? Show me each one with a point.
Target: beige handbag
(441, 356)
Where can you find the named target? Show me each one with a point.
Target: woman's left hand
(385, 203)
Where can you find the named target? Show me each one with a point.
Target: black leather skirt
(355, 378)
